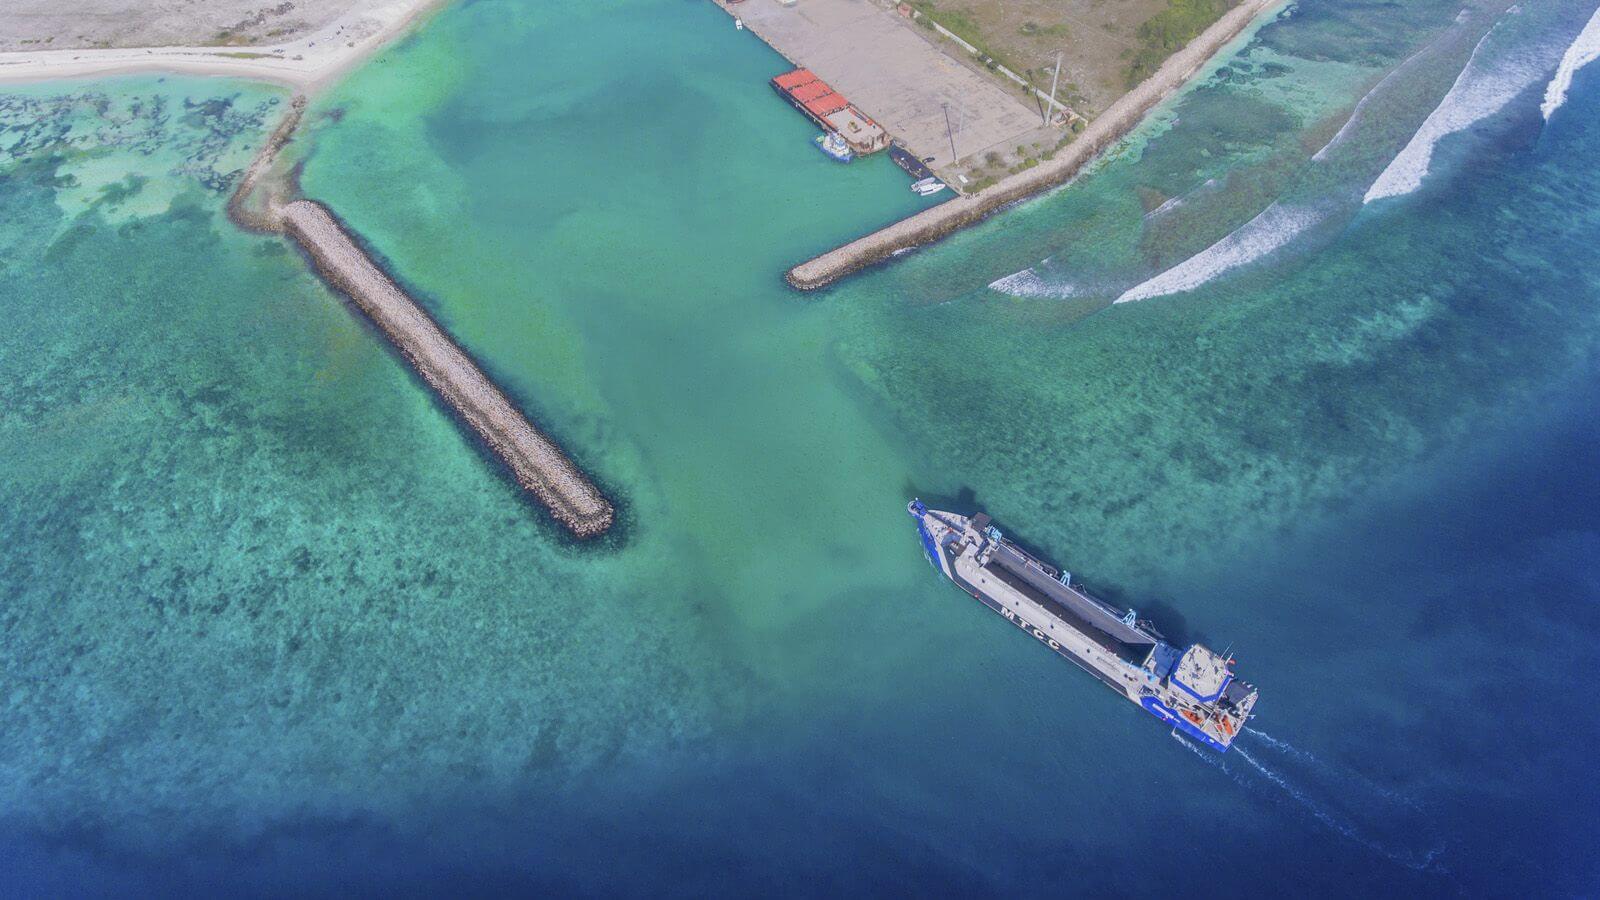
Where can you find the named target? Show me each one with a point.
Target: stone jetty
(936, 222)
(262, 217)
(539, 465)
(263, 203)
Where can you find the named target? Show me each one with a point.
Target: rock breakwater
(538, 464)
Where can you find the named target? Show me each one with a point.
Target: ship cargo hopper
(830, 111)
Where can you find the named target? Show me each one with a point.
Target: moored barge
(831, 112)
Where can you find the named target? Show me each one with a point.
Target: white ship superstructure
(1193, 690)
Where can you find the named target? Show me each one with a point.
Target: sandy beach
(309, 61)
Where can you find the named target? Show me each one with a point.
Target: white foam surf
(1030, 284)
(1483, 88)
(1175, 202)
(1171, 204)
(1584, 50)
(1274, 227)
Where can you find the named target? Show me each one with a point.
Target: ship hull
(1060, 649)
(1127, 667)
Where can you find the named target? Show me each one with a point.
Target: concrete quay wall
(538, 464)
(936, 222)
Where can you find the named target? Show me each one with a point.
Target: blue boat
(833, 144)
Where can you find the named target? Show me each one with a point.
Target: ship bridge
(1202, 674)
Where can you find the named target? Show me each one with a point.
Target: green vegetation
(115, 193)
(955, 20)
(1168, 31)
(962, 26)
(230, 37)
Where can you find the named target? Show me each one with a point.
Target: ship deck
(1066, 605)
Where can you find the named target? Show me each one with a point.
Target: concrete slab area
(892, 73)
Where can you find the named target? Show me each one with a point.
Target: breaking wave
(1274, 227)
(1482, 89)
(1175, 202)
(1584, 50)
(1029, 283)
(1172, 203)
(1361, 105)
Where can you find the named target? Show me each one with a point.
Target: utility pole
(950, 133)
(1053, 79)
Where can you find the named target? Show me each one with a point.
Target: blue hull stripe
(1165, 713)
(928, 546)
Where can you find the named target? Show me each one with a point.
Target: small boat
(833, 144)
(928, 186)
(905, 160)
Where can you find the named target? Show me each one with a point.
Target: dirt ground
(938, 108)
(1097, 39)
(73, 24)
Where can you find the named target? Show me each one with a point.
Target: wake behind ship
(1193, 690)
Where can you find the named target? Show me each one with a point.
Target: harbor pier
(1105, 130)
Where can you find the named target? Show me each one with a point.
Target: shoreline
(306, 64)
(1131, 110)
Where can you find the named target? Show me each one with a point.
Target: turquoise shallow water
(271, 619)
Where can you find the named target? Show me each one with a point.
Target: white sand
(307, 62)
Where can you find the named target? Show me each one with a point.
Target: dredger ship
(1193, 689)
